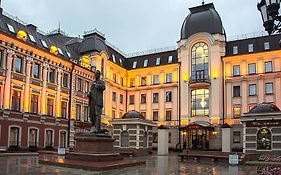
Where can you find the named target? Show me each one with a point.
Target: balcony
(199, 82)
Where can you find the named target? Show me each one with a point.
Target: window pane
(52, 76)
(268, 66)
(169, 78)
(236, 91)
(155, 79)
(200, 102)
(236, 70)
(36, 70)
(155, 97)
(252, 89)
(266, 46)
(199, 67)
(143, 98)
(132, 99)
(269, 88)
(251, 47)
(168, 96)
(50, 107)
(237, 112)
(235, 49)
(18, 65)
(252, 68)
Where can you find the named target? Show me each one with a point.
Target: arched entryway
(264, 139)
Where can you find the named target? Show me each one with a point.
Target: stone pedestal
(226, 138)
(163, 141)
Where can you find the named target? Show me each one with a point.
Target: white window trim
(145, 63)
(113, 58)
(134, 64)
(28, 135)
(158, 61)
(170, 59)
(9, 131)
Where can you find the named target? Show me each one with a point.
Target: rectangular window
(143, 114)
(65, 80)
(155, 116)
(78, 112)
(251, 48)
(236, 70)
(132, 82)
(50, 107)
(268, 66)
(236, 91)
(143, 98)
(18, 65)
(236, 137)
(168, 96)
(11, 28)
(143, 81)
(157, 61)
(63, 109)
(114, 78)
(79, 84)
(252, 89)
(35, 71)
(113, 58)
(86, 113)
(122, 81)
(266, 46)
(52, 75)
(237, 112)
(121, 98)
(170, 59)
(252, 68)
(168, 115)
(16, 100)
(155, 79)
(235, 50)
(169, 78)
(145, 63)
(132, 99)
(134, 64)
(34, 104)
(113, 96)
(87, 86)
(268, 88)
(155, 97)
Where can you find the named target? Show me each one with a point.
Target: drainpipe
(223, 95)
(69, 103)
(179, 103)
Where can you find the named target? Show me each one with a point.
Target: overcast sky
(132, 25)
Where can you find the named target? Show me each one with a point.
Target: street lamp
(270, 15)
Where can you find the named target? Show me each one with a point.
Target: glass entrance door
(198, 139)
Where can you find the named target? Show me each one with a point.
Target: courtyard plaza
(162, 165)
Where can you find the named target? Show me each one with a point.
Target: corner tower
(200, 51)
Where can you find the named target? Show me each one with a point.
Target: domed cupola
(264, 108)
(203, 18)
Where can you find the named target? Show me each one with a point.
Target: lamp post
(270, 15)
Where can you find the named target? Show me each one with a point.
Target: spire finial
(203, 2)
(59, 25)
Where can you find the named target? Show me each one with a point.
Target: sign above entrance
(263, 123)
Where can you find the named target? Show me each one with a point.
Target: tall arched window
(199, 63)
(264, 139)
(200, 102)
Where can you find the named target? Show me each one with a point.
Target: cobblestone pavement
(162, 165)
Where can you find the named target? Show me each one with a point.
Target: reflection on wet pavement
(162, 165)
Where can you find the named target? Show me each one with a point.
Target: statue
(96, 102)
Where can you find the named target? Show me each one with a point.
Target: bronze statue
(96, 102)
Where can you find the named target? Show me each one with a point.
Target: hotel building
(202, 83)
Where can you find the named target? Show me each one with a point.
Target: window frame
(266, 88)
(255, 90)
(234, 73)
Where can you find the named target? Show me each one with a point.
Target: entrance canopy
(199, 125)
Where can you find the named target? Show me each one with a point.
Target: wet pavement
(162, 165)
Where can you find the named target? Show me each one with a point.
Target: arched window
(264, 139)
(124, 139)
(200, 102)
(199, 63)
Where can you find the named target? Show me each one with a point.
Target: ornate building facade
(203, 83)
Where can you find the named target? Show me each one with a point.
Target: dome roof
(202, 19)
(264, 108)
(133, 115)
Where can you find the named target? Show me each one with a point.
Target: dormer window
(121, 63)
(266, 46)
(158, 61)
(235, 50)
(60, 51)
(145, 63)
(113, 58)
(68, 54)
(11, 28)
(134, 64)
(170, 59)
(44, 43)
(31, 37)
(251, 48)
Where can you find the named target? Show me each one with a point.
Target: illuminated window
(236, 91)
(236, 112)
(143, 98)
(155, 79)
(113, 96)
(50, 107)
(264, 139)
(18, 65)
(266, 45)
(252, 68)
(121, 98)
(236, 70)
(132, 99)
(236, 137)
(65, 80)
(16, 100)
(169, 78)
(155, 97)
(52, 75)
(132, 82)
(155, 115)
(235, 50)
(143, 81)
(200, 102)
(60, 51)
(268, 88)
(145, 63)
(113, 58)
(252, 89)
(34, 104)
(63, 109)
(79, 85)
(78, 112)
(268, 66)
(134, 64)
(199, 67)
(11, 28)
(31, 37)
(157, 61)
(44, 43)
(35, 71)
(168, 115)
(251, 48)
(168, 96)
(170, 59)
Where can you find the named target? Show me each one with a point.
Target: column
(58, 101)
(7, 88)
(29, 61)
(44, 88)
(163, 141)
(226, 138)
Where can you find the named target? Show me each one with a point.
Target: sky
(131, 25)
